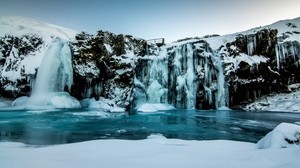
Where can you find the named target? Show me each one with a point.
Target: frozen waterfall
(186, 75)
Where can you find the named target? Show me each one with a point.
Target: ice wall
(186, 75)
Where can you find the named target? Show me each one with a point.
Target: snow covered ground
(156, 151)
(286, 102)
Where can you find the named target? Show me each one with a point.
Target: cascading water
(55, 73)
(54, 76)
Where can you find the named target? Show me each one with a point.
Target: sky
(148, 19)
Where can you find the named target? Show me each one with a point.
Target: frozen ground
(156, 151)
(287, 102)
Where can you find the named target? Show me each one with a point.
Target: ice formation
(182, 71)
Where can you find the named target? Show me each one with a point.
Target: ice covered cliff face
(186, 75)
(204, 73)
(229, 70)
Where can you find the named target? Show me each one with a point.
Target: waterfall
(54, 77)
(55, 73)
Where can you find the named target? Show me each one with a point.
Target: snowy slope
(289, 28)
(18, 26)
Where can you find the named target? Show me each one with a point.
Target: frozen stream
(68, 126)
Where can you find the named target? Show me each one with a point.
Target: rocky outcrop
(269, 65)
(104, 65)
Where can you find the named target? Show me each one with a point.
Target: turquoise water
(47, 127)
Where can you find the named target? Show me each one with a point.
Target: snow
(250, 60)
(154, 107)
(87, 68)
(285, 135)
(284, 102)
(156, 151)
(108, 48)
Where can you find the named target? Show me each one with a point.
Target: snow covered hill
(19, 26)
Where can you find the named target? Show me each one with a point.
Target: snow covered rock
(285, 135)
(283, 102)
(104, 66)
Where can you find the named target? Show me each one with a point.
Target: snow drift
(285, 135)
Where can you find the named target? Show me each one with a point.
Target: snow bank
(284, 102)
(147, 107)
(283, 136)
(156, 151)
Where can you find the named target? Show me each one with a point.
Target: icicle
(190, 78)
(277, 52)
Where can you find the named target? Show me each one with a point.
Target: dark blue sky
(172, 19)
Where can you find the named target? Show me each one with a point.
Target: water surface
(45, 127)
